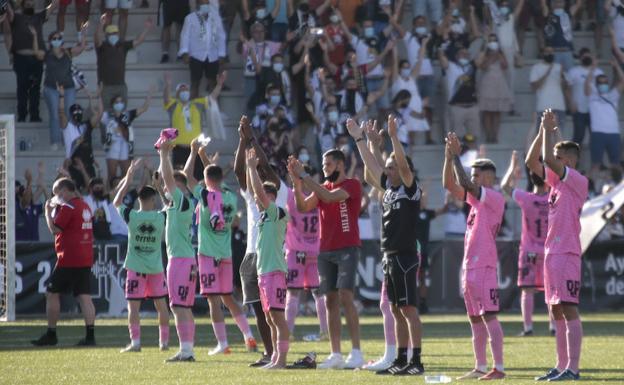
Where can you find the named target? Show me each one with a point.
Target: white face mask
(332, 116)
(406, 72)
(493, 45)
(185, 96)
(421, 30)
(119, 106)
(204, 9)
(56, 43)
(274, 100)
(113, 39)
(304, 157)
(261, 13)
(369, 32)
(463, 61)
(278, 67)
(334, 19)
(559, 11)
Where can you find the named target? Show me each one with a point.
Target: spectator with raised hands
(494, 94)
(616, 15)
(192, 117)
(119, 134)
(461, 91)
(456, 33)
(558, 30)
(336, 39)
(26, 44)
(58, 73)
(77, 136)
(257, 53)
(548, 82)
(28, 206)
(258, 11)
(111, 50)
(604, 116)
(203, 45)
(265, 110)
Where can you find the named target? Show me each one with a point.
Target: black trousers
(28, 71)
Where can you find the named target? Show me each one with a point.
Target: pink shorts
(181, 281)
(562, 278)
(140, 285)
(215, 275)
(302, 270)
(480, 288)
(531, 270)
(272, 290)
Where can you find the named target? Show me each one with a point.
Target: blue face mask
(406, 72)
(204, 9)
(278, 67)
(603, 88)
(304, 157)
(504, 11)
(119, 106)
(56, 43)
(261, 13)
(559, 11)
(455, 13)
(274, 100)
(113, 39)
(369, 32)
(421, 30)
(332, 116)
(185, 96)
(463, 61)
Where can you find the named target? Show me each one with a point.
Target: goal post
(7, 217)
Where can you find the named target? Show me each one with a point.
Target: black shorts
(401, 276)
(338, 269)
(173, 11)
(249, 278)
(203, 68)
(75, 280)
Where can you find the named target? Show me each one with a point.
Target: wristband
(361, 138)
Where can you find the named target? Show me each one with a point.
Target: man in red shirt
(69, 218)
(338, 200)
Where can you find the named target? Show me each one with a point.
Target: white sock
(186, 347)
(390, 352)
(500, 367)
(356, 353)
(482, 368)
(332, 355)
(135, 343)
(248, 335)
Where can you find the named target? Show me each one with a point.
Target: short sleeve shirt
(534, 209)
(412, 44)
(550, 95)
(145, 233)
(566, 198)
(74, 244)
(271, 234)
(178, 226)
(482, 225)
(576, 79)
(111, 62)
(603, 112)
(303, 233)
(339, 220)
(215, 243)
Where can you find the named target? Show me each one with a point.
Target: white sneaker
(354, 361)
(220, 350)
(182, 357)
(131, 349)
(333, 361)
(381, 364)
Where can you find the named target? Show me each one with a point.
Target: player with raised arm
(338, 200)
(182, 268)
(302, 249)
(145, 277)
(217, 209)
(248, 269)
(401, 203)
(562, 263)
(479, 278)
(271, 264)
(534, 207)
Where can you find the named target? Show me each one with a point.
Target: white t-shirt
(603, 112)
(70, 134)
(253, 215)
(576, 79)
(550, 95)
(412, 47)
(618, 25)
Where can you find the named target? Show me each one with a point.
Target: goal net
(7, 218)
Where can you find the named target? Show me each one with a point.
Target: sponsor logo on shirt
(344, 217)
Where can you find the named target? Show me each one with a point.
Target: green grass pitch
(446, 350)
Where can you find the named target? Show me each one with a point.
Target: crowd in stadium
(324, 66)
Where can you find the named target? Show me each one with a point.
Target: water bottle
(439, 379)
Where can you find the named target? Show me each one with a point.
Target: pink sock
(526, 304)
(135, 331)
(574, 338)
(388, 318)
(321, 312)
(562, 344)
(479, 343)
(220, 333)
(495, 331)
(292, 308)
(282, 347)
(243, 325)
(163, 334)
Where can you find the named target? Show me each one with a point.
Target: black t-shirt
(267, 22)
(423, 224)
(398, 222)
(22, 38)
(111, 62)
